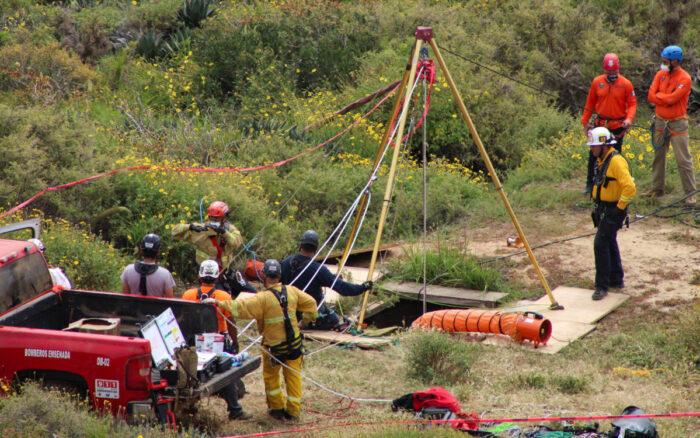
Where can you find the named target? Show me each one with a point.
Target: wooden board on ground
(574, 322)
(578, 305)
(352, 275)
(563, 333)
(446, 295)
(332, 337)
(383, 250)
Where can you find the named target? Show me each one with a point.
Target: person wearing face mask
(611, 103)
(613, 190)
(670, 92)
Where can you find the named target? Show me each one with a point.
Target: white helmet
(209, 268)
(38, 243)
(599, 136)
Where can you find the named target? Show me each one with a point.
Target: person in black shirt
(317, 276)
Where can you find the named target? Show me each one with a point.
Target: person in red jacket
(670, 92)
(611, 103)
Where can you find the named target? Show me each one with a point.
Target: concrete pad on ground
(452, 296)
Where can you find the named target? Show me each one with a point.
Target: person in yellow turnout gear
(613, 189)
(217, 240)
(275, 311)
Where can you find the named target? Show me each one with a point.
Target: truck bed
(56, 310)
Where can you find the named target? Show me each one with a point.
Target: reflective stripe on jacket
(265, 309)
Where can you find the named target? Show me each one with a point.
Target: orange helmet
(218, 209)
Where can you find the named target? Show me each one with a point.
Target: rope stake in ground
(195, 169)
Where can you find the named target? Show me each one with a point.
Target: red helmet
(218, 209)
(611, 62)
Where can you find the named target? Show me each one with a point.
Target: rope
(195, 169)
(592, 233)
(357, 199)
(518, 81)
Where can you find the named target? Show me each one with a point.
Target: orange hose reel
(520, 326)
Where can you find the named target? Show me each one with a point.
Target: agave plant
(193, 12)
(150, 46)
(177, 42)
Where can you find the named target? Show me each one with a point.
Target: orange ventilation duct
(527, 326)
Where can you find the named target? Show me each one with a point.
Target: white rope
(345, 219)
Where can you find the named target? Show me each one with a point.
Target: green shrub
(43, 72)
(89, 262)
(435, 358)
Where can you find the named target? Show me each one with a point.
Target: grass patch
(447, 266)
(569, 384)
(562, 383)
(531, 380)
(437, 358)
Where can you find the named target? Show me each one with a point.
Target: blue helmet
(672, 53)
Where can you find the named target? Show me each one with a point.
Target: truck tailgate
(221, 380)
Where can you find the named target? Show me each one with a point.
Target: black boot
(277, 414)
(599, 294)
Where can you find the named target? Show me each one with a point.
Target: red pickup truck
(114, 372)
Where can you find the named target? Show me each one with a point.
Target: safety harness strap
(144, 270)
(291, 348)
(601, 180)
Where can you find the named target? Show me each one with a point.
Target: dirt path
(660, 259)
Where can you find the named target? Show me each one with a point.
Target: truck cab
(115, 372)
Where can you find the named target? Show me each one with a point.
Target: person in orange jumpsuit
(612, 104)
(670, 92)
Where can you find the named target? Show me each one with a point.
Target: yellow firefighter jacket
(205, 247)
(266, 310)
(620, 185)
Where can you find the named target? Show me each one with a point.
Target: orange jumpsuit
(614, 102)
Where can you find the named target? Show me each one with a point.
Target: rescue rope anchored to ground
(592, 233)
(196, 169)
(467, 421)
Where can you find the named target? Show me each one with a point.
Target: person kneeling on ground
(613, 189)
(302, 271)
(146, 277)
(208, 293)
(275, 311)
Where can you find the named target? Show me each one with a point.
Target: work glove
(218, 230)
(209, 301)
(197, 228)
(368, 285)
